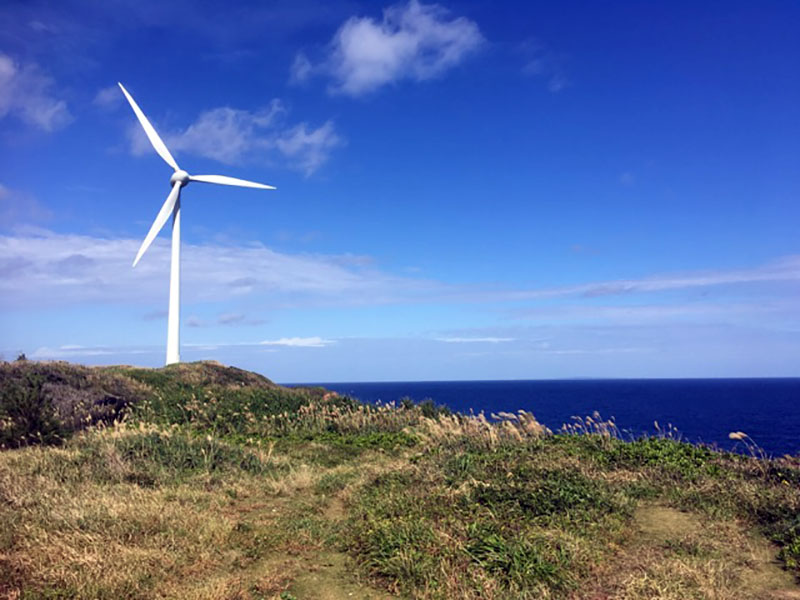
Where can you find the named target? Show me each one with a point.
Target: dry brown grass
(90, 530)
(106, 540)
(67, 531)
(675, 555)
(328, 415)
(296, 480)
(478, 430)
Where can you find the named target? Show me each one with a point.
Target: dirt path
(330, 576)
(320, 572)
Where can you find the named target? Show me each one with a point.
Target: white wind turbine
(172, 205)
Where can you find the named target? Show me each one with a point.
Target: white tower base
(174, 320)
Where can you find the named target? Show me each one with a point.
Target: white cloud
(301, 69)
(25, 92)
(40, 267)
(226, 134)
(413, 41)
(299, 342)
(602, 351)
(231, 135)
(73, 351)
(649, 313)
(309, 148)
(108, 97)
(64, 352)
(94, 353)
(785, 269)
(475, 340)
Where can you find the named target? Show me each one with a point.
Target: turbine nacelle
(179, 176)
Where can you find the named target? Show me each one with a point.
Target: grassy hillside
(204, 481)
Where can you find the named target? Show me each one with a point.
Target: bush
(43, 403)
(26, 415)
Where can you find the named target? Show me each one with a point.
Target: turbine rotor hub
(181, 176)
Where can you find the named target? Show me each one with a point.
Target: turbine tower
(172, 205)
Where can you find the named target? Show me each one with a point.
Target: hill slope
(204, 481)
(46, 402)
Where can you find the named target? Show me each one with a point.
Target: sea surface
(703, 410)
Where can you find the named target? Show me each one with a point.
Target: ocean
(703, 410)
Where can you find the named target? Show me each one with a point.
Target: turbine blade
(161, 218)
(225, 180)
(159, 145)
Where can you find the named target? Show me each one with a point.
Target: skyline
(463, 192)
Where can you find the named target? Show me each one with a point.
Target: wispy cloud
(233, 318)
(195, 321)
(309, 148)
(301, 69)
(585, 351)
(231, 135)
(600, 351)
(27, 93)
(155, 315)
(108, 97)
(782, 270)
(20, 207)
(303, 237)
(299, 342)
(542, 62)
(73, 351)
(474, 340)
(43, 268)
(230, 318)
(226, 134)
(649, 313)
(413, 42)
(40, 267)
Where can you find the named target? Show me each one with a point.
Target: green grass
(504, 516)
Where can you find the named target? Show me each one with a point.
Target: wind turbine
(172, 205)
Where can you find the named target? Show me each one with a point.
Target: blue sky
(466, 190)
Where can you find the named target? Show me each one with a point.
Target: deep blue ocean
(703, 410)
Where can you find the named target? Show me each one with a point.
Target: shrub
(43, 403)
(26, 414)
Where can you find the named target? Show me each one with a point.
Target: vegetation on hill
(47, 402)
(204, 481)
